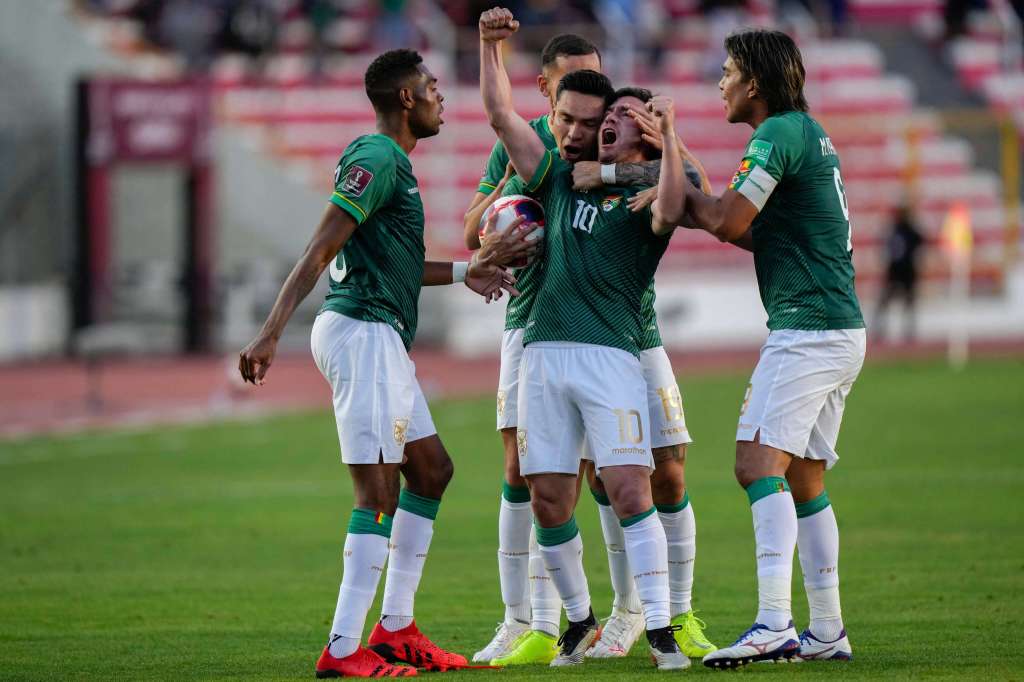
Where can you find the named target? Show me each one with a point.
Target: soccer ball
(508, 209)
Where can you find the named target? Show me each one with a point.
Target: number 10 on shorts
(631, 426)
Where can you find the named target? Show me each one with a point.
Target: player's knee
(744, 472)
(549, 507)
(668, 488)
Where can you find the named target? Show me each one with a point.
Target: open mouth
(608, 136)
(572, 150)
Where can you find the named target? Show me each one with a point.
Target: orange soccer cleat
(412, 647)
(361, 663)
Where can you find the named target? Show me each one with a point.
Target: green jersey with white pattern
(528, 279)
(802, 244)
(377, 275)
(600, 262)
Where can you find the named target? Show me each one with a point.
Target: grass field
(214, 552)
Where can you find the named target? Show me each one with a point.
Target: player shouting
(580, 376)
(787, 204)
(371, 238)
(514, 641)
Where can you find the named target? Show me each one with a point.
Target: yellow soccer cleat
(690, 635)
(534, 647)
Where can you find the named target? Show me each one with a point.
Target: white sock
(647, 550)
(515, 519)
(365, 556)
(818, 543)
(545, 604)
(626, 597)
(681, 534)
(564, 563)
(410, 539)
(775, 539)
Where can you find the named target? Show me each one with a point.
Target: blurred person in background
(903, 247)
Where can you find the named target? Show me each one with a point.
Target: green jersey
(528, 279)
(600, 262)
(378, 274)
(802, 246)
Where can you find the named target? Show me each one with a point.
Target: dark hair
(642, 94)
(773, 60)
(387, 74)
(567, 45)
(586, 82)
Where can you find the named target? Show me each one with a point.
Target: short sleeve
(364, 180)
(772, 153)
(515, 185)
(549, 167)
(495, 170)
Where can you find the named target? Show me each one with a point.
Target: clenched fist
(497, 24)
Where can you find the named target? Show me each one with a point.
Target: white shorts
(576, 393)
(378, 404)
(508, 378)
(664, 403)
(798, 391)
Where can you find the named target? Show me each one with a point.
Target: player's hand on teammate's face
(508, 246)
(642, 200)
(255, 359)
(497, 24)
(586, 175)
(664, 111)
(648, 125)
(490, 281)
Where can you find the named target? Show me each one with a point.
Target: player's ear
(752, 89)
(406, 98)
(542, 85)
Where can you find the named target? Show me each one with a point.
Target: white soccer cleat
(618, 636)
(506, 636)
(759, 643)
(665, 649)
(814, 649)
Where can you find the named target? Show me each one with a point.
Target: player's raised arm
(670, 205)
(525, 149)
(335, 228)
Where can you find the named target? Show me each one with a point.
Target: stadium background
(162, 164)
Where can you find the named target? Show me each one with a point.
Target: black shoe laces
(574, 633)
(663, 640)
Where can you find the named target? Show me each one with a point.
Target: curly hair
(387, 74)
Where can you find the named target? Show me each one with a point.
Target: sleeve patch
(357, 180)
(760, 151)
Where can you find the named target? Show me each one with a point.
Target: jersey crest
(610, 202)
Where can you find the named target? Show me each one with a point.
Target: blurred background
(164, 162)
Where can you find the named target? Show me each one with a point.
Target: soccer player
(669, 434)
(532, 607)
(787, 204)
(371, 239)
(583, 377)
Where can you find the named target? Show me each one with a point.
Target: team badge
(401, 428)
(521, 442)
(501, 402)
(357, 180)
(610, 202)
(741, 173)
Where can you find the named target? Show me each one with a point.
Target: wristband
(459, 270)
(608, 173)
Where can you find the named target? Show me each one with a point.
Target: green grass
(214, 552)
